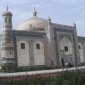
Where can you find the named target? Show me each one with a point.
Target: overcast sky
(61, 11)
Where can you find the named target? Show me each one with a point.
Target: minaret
(7, 45)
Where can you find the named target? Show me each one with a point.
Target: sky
(60, 11)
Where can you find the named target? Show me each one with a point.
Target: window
(5, 19)
(22, 45)
(66, 48)
(9, 20)
(11, 53)
(79, 47)
(37, 46)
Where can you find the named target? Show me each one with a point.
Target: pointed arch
(66, 46)
(39, 53)
(81, 53)
(23, 53)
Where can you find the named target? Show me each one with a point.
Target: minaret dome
(7, 13)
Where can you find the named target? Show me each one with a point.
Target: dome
(8, 13)
(34, 22)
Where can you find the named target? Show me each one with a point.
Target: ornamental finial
(34, 12)
(7, 7)
(74, 24)
(49, 19)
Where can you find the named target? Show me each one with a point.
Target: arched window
(5, 19)
(81, 52)
(39, 53)
(9, 19)
(23, 53)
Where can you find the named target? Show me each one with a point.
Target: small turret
(49, 20)
(74, 24)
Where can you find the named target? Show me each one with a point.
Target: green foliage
(23, 69)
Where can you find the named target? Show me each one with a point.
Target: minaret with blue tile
(7, 44)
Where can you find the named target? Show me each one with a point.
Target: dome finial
(7, 8)
(7, 12)
(74, 24)
(49, 19)
(34, 12)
